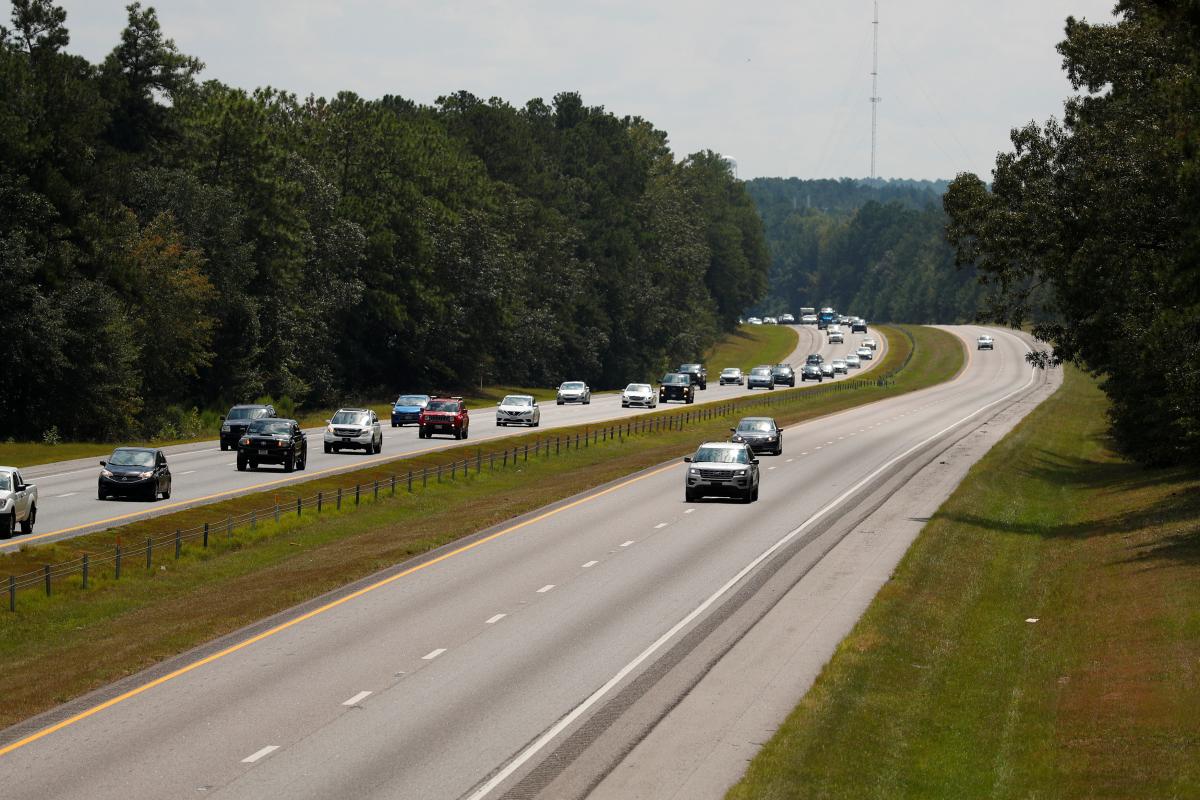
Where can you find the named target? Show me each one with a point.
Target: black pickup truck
(697, 373)
(676, 386)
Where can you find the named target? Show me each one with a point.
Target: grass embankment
(946, 688)
(78, 640)
(748, 346)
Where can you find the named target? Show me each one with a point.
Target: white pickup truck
(18, 503)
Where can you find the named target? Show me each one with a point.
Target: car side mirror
(104, 463)
(754, 461)
(499, 403)
(222, 418)
(687, 459)
(328, 422)
(733, 430)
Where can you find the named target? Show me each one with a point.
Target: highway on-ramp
(456, 675)
(202, 473)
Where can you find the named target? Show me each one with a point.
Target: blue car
(407, 408)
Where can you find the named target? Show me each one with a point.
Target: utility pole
(875, 98)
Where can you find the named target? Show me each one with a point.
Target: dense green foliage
(166, 243)
(876, 249)
(1100, 214)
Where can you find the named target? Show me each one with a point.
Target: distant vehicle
(732, 375)
(407, 409)
(676, 386)
(754, 321)
(760, 433)
(865, 353)
(353, 429)
(639, 394)
(696, 372)
(234, 424)
(858, 326)
(273, 441)
(984, 343)
(815, 358)
(760, 376)
(574, 392)
(871, 343)
(782, 374)
(18, 503)
(811, 372)
(770, 321)
(840, 367)
(445, 415)
(787, 319)
(826, 318)
(827, 370)
(135, 472)
(836, 337)
(843, 319)
(808, 312)
(518, 409)
(853, 361)
(808, 319)
(722, 468)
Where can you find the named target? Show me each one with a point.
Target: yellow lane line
(316, 611)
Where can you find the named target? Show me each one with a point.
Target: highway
(202, 473)
(455, 676)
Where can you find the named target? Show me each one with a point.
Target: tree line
(872, 248)
(1092, 224)
(168, 242)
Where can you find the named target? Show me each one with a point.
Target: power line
(875, 98)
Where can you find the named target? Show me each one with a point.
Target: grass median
(1041, 638)
(77, 640)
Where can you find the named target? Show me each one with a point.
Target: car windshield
(572, 385)
(783, 370)
(351, 418)
(722, 455)
(244, 412)
(730, 371)
(756, 426)
(517, 400)
(690, 368)
(5, 482)
(761, 371)
(672, 379)
(442, 405)
(270, 427)
(641, 388)
(132, 458)
(412, 400)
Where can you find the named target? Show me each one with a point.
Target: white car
(808, 319)
(865, 353)
(754, 321)
(984, 343)
(853, 361)
(574, 392)
(837, 337)
(639, 394)
(770, 321)
(353, 428)
(732, 375)
(871, 343)
(840, 366)
(518, 409)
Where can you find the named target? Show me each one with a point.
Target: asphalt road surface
(202, 473)
(456, 675)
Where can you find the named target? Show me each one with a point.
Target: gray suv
(727, 469)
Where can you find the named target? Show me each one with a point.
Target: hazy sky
(782, 87)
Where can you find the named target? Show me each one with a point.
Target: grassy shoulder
(947, 687)
(77, 640)
(747, 346)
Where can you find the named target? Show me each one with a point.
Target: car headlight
(740, 472)
(694, 471)
(329, 429)
(146, 474)
(224, 429)
(245, 440)
(770, 438)
(106, 473)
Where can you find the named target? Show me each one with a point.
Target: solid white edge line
(430, 656)
(494, 619)
(529, 752)
(358, 698)
(266, 751)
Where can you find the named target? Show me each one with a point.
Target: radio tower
(875, 98)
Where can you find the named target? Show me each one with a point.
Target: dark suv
(273, 441)
(697, 373)
(811, 372)
(234, 424)
(783, 373)
(444, 415)
(761, 434)
(676, 386)
(815, 358)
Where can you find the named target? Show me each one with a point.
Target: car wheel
(8, 525)
(754, 497)
(395, 424)
(241, 464)
(303, 459)
(559, 402)
(166, 495)
(337, 448)
(27, 525)
(100, 495)
(465, 431)
(379, 445)
(290, 464)
(537, 424)
(328, 449)
(223, 447)
(748, 496)
(253, 465)
(689, 496)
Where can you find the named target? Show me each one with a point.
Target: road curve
(202, 473)
(454, 676)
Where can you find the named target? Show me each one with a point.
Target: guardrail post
(149, 552)
(410, 481)
(46, 572)
(320, 500)
(556, 445)
(117, 562)
(253, 520)
(357, 494)
(205, 539)
(439, 473)
(504, 464)
(339, 499)
(299, 506)
(178, 542)
(277, 513)
(12, 593)
(424, 477)
(393, 484)
(526, 452)
(478, 460)
(85, 570)
(376, 489)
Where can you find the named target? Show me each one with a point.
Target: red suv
(444, 415)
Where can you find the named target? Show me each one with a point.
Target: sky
(782, 88)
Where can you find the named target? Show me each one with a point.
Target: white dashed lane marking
(430, 656)
(545, 588)
(68, 494)
(626, 544)
(688, 511)
(495, 619)
(358, 698)
(590, 564)
(660, 525)
(266, 751)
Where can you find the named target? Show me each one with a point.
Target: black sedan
(762, 434)
(273, 441)
(811, 372)
(135, 472)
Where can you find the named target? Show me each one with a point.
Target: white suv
(354, 428)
